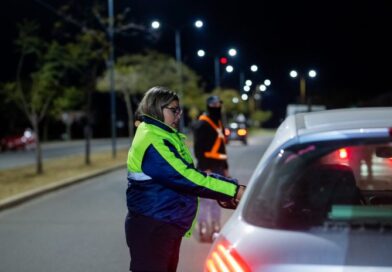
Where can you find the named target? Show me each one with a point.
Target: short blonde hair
(154, 100)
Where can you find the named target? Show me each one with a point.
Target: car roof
(351, 118)
(311, 123)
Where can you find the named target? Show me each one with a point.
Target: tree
(89, 51)
(39, 72)
(66, 107)
(135, 74)
(227, 96)
(258, 117)
(91, 28)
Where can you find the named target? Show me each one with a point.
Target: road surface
(80, 228)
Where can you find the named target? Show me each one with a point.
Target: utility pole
(111, 69)
(217, 72)
(177, 37)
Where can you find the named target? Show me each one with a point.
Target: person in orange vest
(210, 152)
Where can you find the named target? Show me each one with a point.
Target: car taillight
(241, 132)
(343, 153)
(227, 131)
(223, 257)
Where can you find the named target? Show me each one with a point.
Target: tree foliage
(258, 117)
(135, 74)
(42, 65)
(139, 72)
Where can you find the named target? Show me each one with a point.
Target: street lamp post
(218, 61)
(216, 72)
(302, 85)
(245, 86)
(260, 90)
(111, 69)
(177, 36)
(242, 81)
(177, 40)
(232, 52)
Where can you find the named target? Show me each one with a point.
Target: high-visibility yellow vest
(220, 139)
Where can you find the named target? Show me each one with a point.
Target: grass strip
(18, 180)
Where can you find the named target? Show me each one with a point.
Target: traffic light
(223, 60)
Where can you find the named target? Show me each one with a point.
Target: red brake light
(227, 131)
(223, 257)
(242, 132)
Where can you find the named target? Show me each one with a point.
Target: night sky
(348, 43)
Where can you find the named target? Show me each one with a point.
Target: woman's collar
(153, 121)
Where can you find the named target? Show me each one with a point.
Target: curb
(25, 196)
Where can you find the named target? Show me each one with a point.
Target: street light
(253, 68)
(242, 82)
(250, 89)
(177, 39)
(302, 82)
(261, 89)
(218, 61)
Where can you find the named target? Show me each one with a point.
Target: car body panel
(273, 249)
(358, 120)
(347, 244)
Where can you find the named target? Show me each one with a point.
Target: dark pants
(153, 245)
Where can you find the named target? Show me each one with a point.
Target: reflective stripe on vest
(138, 176)
(213, 154)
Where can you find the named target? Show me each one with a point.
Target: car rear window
(321, 184)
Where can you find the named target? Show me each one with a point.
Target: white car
(319, 200)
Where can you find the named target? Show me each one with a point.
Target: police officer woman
(164, 185)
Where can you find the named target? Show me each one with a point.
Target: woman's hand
(233, 203)
(240, 192)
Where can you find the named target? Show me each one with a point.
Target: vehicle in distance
(236, 131)
(20, 141)
(320, 199)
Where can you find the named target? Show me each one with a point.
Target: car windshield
(324, 184)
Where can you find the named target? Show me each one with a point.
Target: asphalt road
(80, 228)
(18, 158)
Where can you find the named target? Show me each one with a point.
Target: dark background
(348, 43)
